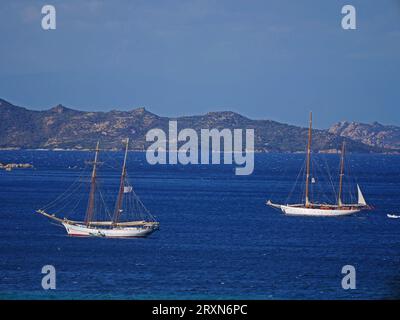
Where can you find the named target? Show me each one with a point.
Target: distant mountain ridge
(65, 128)
(375, 134)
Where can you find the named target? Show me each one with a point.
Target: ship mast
(308, 161)
(90, 207)
(117, 211)
(341, 176)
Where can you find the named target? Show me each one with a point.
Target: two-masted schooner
(309, 208)
(126, 202)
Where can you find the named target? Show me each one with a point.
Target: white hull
(119, 232)
(317, 212)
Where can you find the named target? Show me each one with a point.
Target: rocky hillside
(62, 127)
(374, 134)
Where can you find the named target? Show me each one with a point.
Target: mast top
(126, 153)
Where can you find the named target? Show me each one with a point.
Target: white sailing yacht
(113, 228)
(309, 208)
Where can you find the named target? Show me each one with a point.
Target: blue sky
(264, 59)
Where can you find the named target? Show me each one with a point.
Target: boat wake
(393, 216)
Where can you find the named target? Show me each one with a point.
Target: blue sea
(217, 238)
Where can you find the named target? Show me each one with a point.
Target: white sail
(361, 199)
(128, 189)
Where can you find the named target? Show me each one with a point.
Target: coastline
(393, 152)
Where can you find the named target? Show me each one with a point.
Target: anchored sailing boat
(114, 227)
(316, 209)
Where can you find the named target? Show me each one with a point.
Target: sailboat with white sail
(309, 208)
(115, 227)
